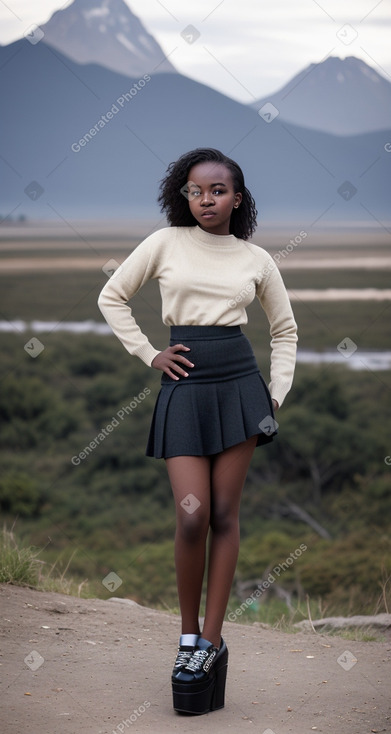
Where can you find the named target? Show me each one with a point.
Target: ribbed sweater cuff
(279, 391)
(147, 353)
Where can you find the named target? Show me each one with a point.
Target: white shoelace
(197, 660)
(182, 658)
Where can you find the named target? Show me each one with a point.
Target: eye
(218, 191)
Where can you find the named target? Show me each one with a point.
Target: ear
(237, 200)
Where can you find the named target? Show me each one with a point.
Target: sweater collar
(213, 241)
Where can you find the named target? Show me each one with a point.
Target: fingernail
(186, 374)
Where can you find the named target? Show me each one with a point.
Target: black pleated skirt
(224, 401)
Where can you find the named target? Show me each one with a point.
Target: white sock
(188, 640)
(203, 643)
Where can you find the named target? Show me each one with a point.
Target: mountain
(105, 32)
(342, 97)
(80, 141)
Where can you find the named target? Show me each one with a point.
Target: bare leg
(228, 473)
(190, 475)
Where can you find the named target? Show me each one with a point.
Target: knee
(192, 526)
(224, 521)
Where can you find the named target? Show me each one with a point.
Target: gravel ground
(101, 667)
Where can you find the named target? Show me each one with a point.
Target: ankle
(191, 630)
(214, 639)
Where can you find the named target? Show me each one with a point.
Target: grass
(22, 567)
(273, 615)
(358, 634)
(17, 565)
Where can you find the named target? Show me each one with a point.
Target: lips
(207, 215)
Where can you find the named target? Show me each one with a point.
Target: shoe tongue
(188, 640)
(203, 644)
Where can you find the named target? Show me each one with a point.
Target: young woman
(214, 407)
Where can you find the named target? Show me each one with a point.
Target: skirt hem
(236, 410)
(223, 402)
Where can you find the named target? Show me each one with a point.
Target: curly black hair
(174, 203)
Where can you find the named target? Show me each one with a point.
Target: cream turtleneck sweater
(204, 280)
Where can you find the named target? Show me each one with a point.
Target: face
(212, 196)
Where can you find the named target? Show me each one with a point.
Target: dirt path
(85, 665)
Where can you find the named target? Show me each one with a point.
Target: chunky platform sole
(204, 696)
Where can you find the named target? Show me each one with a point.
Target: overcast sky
(246, 48)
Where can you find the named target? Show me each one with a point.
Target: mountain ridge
(337, 96)
(105, 32)
(53, 103)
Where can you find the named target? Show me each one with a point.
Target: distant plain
(48, 270)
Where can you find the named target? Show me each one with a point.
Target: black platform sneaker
(187, 645)
(199, 687)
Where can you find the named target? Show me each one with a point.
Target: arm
(140, 266)
(274, 299)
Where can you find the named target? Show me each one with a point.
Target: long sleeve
(274, 299)
(203, 279)
(140, 266)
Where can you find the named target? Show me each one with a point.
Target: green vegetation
(322, 483)
(22, 566)
(17, 565)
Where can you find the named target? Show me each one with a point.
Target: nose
(207, 199)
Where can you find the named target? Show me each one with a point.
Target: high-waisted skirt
(222, 402)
